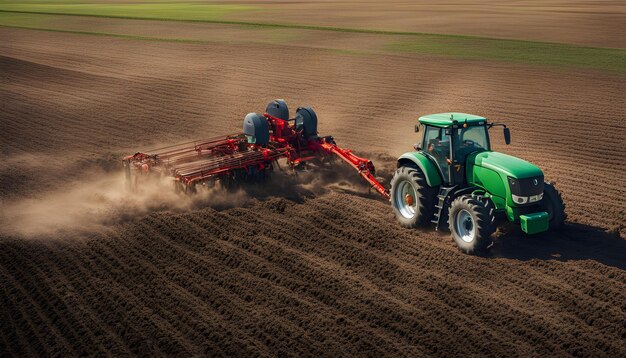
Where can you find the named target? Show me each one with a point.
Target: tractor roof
(446, 119)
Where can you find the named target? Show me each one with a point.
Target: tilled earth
(312, 268)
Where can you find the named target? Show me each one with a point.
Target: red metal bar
(186, 152)
(205, 169)
(365, 167)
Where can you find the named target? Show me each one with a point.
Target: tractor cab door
(437, 143)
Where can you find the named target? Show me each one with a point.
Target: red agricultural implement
(248, 156)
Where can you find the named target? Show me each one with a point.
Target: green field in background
(37, 13)
(536, 53)
(162, 10)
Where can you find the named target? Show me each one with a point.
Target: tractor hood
(510, 166)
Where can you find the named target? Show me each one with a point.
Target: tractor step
(440, 217)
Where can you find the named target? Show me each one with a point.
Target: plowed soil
(310, 265)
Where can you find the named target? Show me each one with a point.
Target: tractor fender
(433, 177)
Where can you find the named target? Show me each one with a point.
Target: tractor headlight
(526, 199)
(519, 199)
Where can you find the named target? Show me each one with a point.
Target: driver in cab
(440, 150)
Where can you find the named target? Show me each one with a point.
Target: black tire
(471, 223)
(413, 181)
(552, 203)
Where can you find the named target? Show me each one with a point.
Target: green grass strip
(109, 34)
(534, 53)
(152, 11)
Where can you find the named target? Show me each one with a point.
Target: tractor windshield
(469, 140)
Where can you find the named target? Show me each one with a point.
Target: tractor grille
(526, 186)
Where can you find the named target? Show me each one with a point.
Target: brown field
(313, 266)
(593, 23)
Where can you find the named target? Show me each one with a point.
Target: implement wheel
(471, 224)
(412, 200)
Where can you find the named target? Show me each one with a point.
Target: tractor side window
(430, 134)
(437, 144)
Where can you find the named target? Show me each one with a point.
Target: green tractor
(454, 180)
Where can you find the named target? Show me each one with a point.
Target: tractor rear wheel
(552, 203)
(471, 224)
(412, 200)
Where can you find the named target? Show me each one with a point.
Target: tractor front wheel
(412, 200)
(552, 203)
(471, 224)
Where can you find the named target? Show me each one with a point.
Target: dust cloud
(103, 199)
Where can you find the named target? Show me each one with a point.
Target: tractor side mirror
(507, 136)
(417, 128)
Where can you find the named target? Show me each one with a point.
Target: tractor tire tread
(427, 195)
(551, 193)
(484, 223)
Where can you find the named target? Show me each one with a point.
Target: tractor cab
(448, 138)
